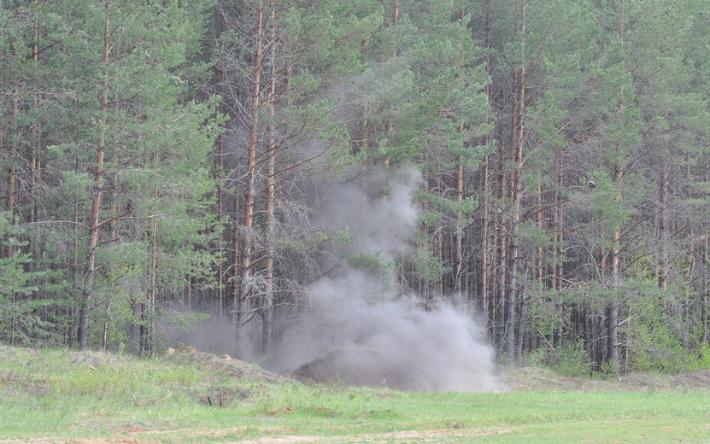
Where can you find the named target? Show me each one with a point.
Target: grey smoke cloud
(376, 209)
(358, 329)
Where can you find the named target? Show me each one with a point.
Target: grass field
(58, 396)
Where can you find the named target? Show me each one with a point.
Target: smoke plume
(359, 329)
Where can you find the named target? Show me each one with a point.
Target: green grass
(57, 395)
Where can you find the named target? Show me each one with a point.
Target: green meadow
(60, 396)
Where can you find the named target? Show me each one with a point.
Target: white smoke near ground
(358, 328)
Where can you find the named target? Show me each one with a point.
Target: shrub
(702, 362)
(568, 359)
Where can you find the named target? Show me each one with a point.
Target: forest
(292, 176)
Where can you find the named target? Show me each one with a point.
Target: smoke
(359, 328)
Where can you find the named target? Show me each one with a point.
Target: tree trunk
(458, 271)
(11, 196)
(96, 200)
(521, 325)
(136, 325)
(559, 223)
(35, 164)
(246, 270)
(539, 256)
(219, 173)
(613, 309)
(663, 234)
(501, 259)
(153, 282)
(485, 222)
(268, 305)
(483, 278)
(188, 293)
(516, 191)
(236, 250)
(107, 313)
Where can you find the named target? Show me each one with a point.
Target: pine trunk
(485, 219)
(246, 266)
(458, 271)
(483, 278)
(613, 309)
(501, 259)
(268, 305)
(559, 223)
(516, 192)
(219, 173)
(35, 164)
(94, 223)
(663, 222)
(11, 196)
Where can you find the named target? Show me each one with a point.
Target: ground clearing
(55, 396)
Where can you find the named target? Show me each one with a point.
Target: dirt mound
(535, 378)
(698, 379)
(374, 368)
(224, 364)
(340, 367)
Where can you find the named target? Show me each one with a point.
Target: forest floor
(60, 396)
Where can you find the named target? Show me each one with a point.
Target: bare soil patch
(401, 436)
(338, 367)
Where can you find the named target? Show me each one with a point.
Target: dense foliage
(166, 155)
